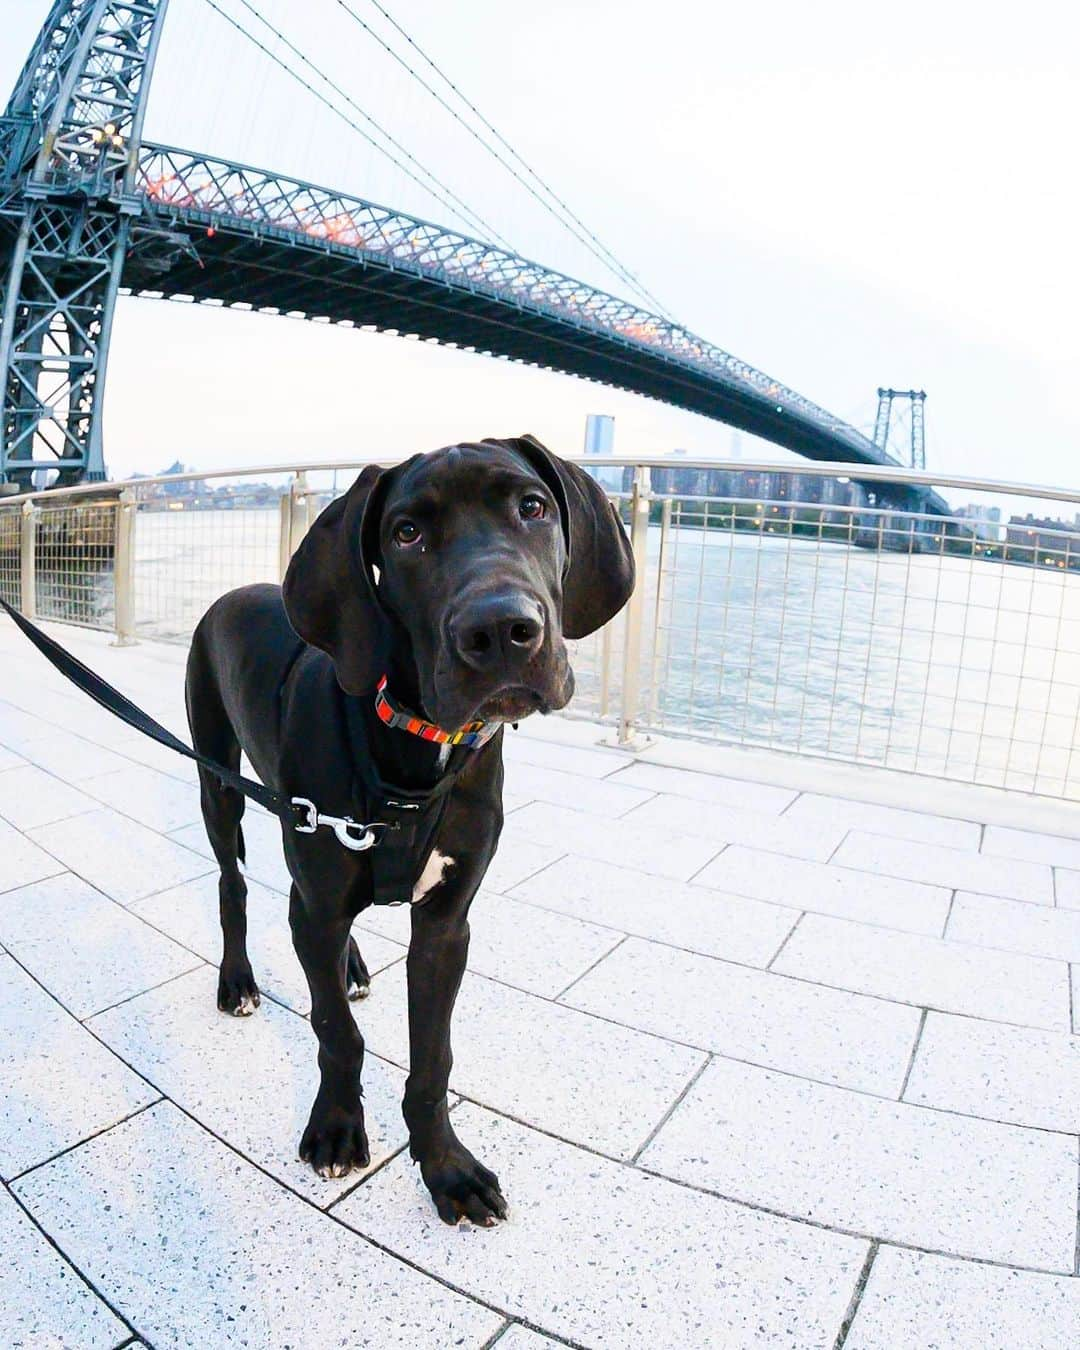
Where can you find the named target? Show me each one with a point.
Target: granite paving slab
(615, 841)
(250, 1080)
(44, 1305)
(850, 1161)
(828, 889)
(196, 1247)
(262, 836)
(545, 754)
(713, 789)
(1012, 925)
(611, 1258)
(678, 912)
(929, 972)
(71, 757)
(664, 814)
(914, 1301)
(532, 949)
(771, 1020)
(1032, 846)
(22, 861)
(595, 796)
(118, 855)
(1067, 888)
(153, 798)
(587, 1080)
(58, 1085)
(813, 811)
(87, 950)
(29, 796)
(1015, 1074)
(953, 867)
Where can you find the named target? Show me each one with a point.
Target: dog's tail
(241, 847)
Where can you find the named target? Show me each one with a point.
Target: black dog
(455, 575)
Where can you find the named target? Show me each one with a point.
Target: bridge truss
(86, 209)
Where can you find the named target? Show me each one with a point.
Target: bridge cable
(614, 262)
(586, 237)
(463, 211)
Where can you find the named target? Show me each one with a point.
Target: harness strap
(411, 816)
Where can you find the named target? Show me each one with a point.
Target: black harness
(396, 824)
(410, 817)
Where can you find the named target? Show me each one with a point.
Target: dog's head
(473, 563)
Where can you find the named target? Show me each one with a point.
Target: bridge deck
(237, 235)
(736, 1030)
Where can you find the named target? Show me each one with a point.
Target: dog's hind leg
(222, 810)
(357, 979)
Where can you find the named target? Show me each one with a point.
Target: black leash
(410, 816)
(298, 812)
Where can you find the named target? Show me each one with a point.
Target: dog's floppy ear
(329, 589)
(600, 571)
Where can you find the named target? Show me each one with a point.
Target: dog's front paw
(237, 992)
(335, 1141)
(463, 1188)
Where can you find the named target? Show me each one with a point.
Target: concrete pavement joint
(589, 969)
(72, 1266)
(914, 1052)
(856, 1297)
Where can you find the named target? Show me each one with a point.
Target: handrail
(863, 473)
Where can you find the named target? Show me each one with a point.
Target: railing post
(124, 569)
(294, 521)
(661, 567)
(27, 561)
(639, 540)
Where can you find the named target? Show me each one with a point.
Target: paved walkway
(762, 1058)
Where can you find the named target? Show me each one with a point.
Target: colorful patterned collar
(474, 734)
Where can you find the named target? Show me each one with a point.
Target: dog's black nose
(498, 629)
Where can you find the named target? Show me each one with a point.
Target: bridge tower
(69, 143)
(916, 399)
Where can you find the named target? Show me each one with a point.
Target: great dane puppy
(451, 581)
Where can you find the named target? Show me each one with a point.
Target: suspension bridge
(88, 210)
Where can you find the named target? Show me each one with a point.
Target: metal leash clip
(343, 826)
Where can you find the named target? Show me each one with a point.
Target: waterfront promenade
(765, 1051)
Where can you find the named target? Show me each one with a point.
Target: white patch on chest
(435, 870)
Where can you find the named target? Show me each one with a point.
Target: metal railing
(818, 617)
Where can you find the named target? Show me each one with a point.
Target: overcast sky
(845, 194)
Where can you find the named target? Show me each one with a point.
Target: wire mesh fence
(845, 629)
(197, 539)
(10, 565)
(829, 633)
(74, 551)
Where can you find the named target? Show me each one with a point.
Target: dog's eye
(405, 532)
(533, 507)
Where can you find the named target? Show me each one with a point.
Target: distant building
(986, 520)
(774, 485)
(1043, 541)
(600, 440)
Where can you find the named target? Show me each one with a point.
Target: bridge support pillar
(69, 175)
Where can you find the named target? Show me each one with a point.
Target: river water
(954, 666)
